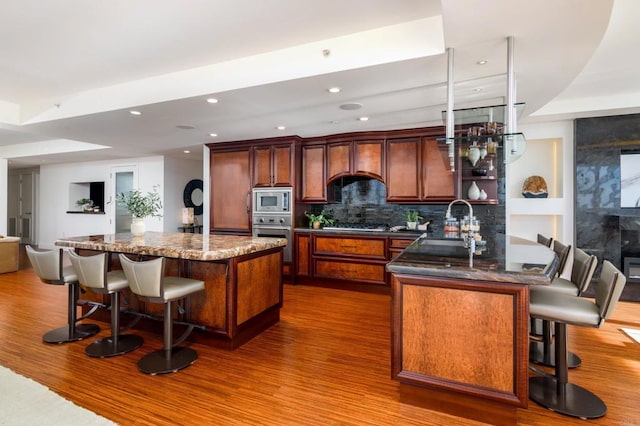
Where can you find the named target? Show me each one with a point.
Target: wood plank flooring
(326, 363)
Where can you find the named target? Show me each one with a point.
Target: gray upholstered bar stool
(49, 268)
(583, 267)
(544, 240)
(555, 392)
(93, 273)
(147, 280)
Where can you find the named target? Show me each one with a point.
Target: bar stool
(584, 265)
(48, 267)
(544, 240)
(147, 280)
(92, 273)
(555, 392)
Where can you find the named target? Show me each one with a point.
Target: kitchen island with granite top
(242, 275)
(460, 322)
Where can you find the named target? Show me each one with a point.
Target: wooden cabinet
(273, 165)
(312, 180)
(396, 245)
(360, 157)
(418, 170)
(230, 197)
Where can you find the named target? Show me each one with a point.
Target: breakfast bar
(460, 322)
(242, 275)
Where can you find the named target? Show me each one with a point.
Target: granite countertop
(175, 244)
(504, 258)
(355, 231)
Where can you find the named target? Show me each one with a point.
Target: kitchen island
(462, 330)
(242, 275)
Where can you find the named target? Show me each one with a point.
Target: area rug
(633, 333)
(26, 402)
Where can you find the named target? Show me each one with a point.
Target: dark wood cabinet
(313, 186)
(418, 170)
(230, 198)
(355, 157)
(273, 165)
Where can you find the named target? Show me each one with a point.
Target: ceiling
(71, 70)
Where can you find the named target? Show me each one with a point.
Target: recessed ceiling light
(478, 89)
(482, 62)
(281, 127)
(212, 100)
(213, 135)
(186, 151)
(351, 106)
(363, 118)
(334, 90)
(133, 112)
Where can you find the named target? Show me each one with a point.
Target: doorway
(21, 206)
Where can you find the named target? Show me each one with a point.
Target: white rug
(26, 402)
(633, 333)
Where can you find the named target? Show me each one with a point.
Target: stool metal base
(162, 362)
(107, 347)
(567, 399)
(538, 355)
(68, 334)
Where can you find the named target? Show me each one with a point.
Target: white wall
(177, 173)
(550, 153)
(54, 197)
(4, 182)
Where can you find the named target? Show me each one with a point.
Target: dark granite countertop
(360, 232)
(504, 258)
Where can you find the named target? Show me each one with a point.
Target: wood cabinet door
(262, 170)
(230, 191)
(338, 160)
(282, 165)
(403, 172)
(272, 165)
(369, 158)
(438, 181)
(313, 187)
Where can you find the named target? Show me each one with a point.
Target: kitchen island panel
(256, 296)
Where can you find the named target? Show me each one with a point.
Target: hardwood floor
(326, 363)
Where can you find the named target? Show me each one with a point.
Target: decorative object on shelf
(474, 191)
(187, 216)
(479, 171)
(490, 167)
(86, 204)
(483, 151)
(535, 187)
(412, 217)
(141, 206)
(316, 221)
(492, 147)
(483, 195)
(474, 154)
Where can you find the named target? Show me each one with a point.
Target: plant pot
(137, 226)
(316, 225)
(412, 225)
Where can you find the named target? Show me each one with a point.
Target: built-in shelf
(79, 212)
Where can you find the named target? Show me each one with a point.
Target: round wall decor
(193, 195)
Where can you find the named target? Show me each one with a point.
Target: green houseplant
(412, 218)
(318, 220)
(85, 203)
(140, 206)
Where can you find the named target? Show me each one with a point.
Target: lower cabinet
(345, 260)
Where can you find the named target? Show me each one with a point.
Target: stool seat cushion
(559, 286)
(178, 287)
(69, 274)
(568, 309)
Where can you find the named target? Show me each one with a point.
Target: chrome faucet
(470, 237)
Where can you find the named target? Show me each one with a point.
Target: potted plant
(140, 206)
(316, 221)
(412, 219)
(85, 203)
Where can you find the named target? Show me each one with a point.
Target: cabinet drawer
(400, 243)
(350, 271)
(361, 247)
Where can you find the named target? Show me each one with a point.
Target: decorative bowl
(479, 171)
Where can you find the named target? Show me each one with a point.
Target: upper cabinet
(313, 186)
(273, 165)
(418, 170)
(355, 157)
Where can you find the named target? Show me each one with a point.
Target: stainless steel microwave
(272, 200)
